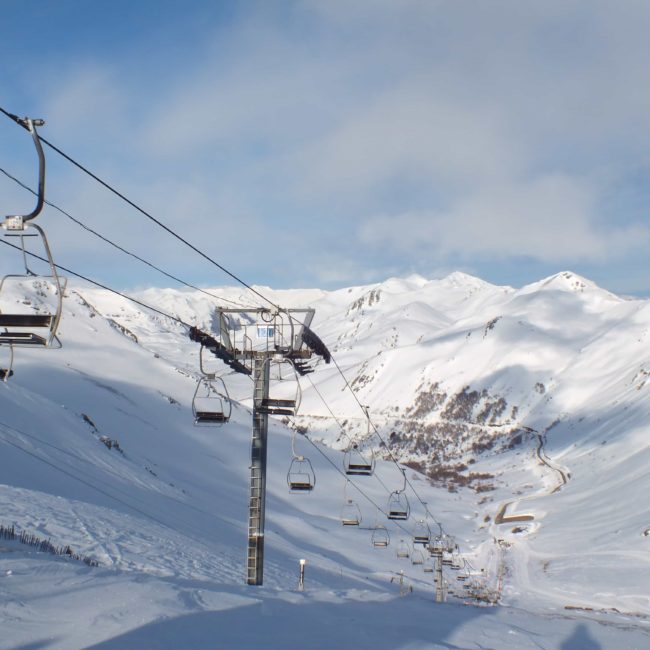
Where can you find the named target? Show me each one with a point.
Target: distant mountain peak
(465, 279)
(567, 281)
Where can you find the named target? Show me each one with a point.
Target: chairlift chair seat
(209, 417)
(22, 338)
(350, 521)
(359, 469)
(277, 406)
(25, 320)
(300, 486)
(399, 515)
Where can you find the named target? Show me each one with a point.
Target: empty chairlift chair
(358, 463)
(286, 396)
(350, 514)
(301, 476)
(422, 533)
(380, 537)
(417, 557)
(36, 325)
(398, 505)
(403, 550)
(211, 404)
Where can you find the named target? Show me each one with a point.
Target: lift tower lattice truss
(250, 341)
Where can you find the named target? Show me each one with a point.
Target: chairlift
(398, 505)
(285, 399)
(403, 550)
(428, 567)
(34, 327)
(211, 405)
(358, 463)
(422, 533)
(350, 515)
(380, 537)
(301, 476)
(417, 557)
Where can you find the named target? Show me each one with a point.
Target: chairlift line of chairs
(30, 328)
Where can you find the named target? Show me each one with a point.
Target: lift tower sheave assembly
(274, 346)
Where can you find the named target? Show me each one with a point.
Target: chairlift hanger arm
(16, 221)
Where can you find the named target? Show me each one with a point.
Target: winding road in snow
(501, 516)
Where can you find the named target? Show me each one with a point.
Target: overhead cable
(117, 246)
(134, 205)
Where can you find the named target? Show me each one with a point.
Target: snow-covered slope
(530, 401)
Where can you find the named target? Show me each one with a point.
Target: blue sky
(331, 143)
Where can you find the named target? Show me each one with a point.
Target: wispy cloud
(396, 136)
(550, 218)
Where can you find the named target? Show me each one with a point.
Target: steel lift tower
(275, 347)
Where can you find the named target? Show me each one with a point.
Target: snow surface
(166, 516)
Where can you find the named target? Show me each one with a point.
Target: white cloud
(550, 219)
(478, 132)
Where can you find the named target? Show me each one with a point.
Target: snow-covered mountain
(521, 413)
